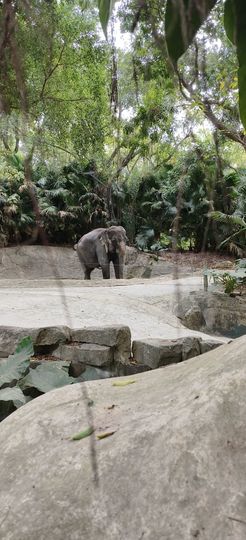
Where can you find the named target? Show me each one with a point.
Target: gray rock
(51, 336)
(46, 337)
(24, 262)
(124, 370)
(157, 352)
(76, 369)
(92, 373)
(118, 337)
(174, 469)
(11, 335)
(215, 311)
(58, 263)
(210, 344)
(138, 264)
(193, 318)
(190, 347)
(86, 353)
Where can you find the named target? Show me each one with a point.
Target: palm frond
(47, 209)
(234, 235)
(26, 219)
(235, 249)
(232, 219)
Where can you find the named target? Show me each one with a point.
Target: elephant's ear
(103, 239)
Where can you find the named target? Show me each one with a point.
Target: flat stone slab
(161, 352)
(174, 469)
(118, 337)
(157, 352)
(210, 344)
(86, 353)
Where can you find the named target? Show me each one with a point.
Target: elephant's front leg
(88, 273)
(105, 271)
(118, 263)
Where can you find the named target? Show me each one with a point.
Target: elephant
(99, 247)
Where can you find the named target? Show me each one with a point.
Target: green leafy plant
(46, 377)
(230, 280)
(145, 238)
(229, 283)
(19, 383)
(235, 240)
(16, 365)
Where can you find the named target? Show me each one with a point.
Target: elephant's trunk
(121, 249)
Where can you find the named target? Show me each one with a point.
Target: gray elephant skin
(99, 247)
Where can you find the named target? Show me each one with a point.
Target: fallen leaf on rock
(82, 434)
(104, 435)
(111, 407)
(123, 383)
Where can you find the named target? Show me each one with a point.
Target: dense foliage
(180, 198)
(94, 133)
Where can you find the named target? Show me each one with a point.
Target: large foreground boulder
(175, 467)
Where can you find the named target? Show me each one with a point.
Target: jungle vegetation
(143, 128)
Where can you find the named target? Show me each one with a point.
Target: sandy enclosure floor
(144, 305)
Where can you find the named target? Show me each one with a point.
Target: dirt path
(144, 305)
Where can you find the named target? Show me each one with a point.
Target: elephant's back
(89, 237)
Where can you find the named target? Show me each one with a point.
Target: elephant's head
(114, 240)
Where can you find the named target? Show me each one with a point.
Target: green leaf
(14, 394)
(235, 25)
(233, 219)
(229, 20)
(123, 383)
(82, 434)
(24, 348)
(183, 20)
(15, 366)
(45, 378)
(60, 364)
(105, 10)
(10, 399)
(242, 90)
(105, 435)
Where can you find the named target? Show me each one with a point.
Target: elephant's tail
(75, 247)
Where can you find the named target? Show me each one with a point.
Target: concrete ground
(144, 305)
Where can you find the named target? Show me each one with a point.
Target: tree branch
(206, 107)
(51, 71)
(131, 155)
(60, 148)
